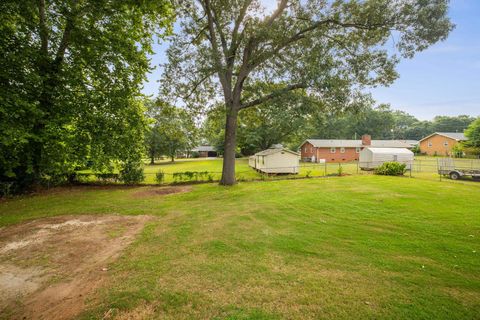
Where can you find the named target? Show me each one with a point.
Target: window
(445, 143)
(311, 149)
(305, 149)
(429, 144)
(342, 150)
(357, 150)
(333, 150)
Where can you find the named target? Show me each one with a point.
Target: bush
(195, 154)
(132, 173)
(391, 169)
(160, 177)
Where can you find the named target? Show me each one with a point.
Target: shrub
(132, 173)
(195, 154)
(391, 169)
(160, 177)
(340, 170)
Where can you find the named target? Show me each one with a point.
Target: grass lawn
(243, 171)
(330, 248)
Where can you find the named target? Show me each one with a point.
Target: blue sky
(443, 80)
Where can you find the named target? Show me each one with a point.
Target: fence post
(325, 167)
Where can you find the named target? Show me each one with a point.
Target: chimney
(366, 140)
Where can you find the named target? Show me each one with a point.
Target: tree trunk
(152, 157)
(228, 171)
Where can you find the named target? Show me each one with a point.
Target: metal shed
(275, 160)
(370, 158)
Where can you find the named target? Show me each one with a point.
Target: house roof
(389, 150)
(275, 150)
(452, 135)
(204, 149)
(319, 143)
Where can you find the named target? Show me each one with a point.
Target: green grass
(364, 247)
(425, 168)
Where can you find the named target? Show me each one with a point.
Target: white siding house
(275, 160)
(371, 158)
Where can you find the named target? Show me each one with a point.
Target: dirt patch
(156, 191)
(49, 267)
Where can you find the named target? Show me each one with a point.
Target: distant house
(316, 150)
(205, 151)
(440, 143)
(370, 158)
(276, 159)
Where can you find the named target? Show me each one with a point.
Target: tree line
(265, 125)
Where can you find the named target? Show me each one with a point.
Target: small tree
(171, 129)
(473, 135)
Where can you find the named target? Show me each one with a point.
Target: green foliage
(195, 154)
(170, 130)
(391, 169)
(132, 172)
(160, 176)
(473, 135)
(190, 176)
(70, 79)
(458, 150)
(380, 122)
(280, 120)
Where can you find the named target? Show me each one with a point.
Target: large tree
(70, 78)
(282, 120)
(333, 49)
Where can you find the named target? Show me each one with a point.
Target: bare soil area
(50, 267)
(159, 191)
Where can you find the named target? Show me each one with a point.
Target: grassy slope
(357, 246)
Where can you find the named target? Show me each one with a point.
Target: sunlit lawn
(243, 171)
(425, 168)
(363, 247)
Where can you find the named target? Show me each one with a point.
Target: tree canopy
(171, 129)
(473, 135)
(70, 79)
(332, 49)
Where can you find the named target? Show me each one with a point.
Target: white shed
(370, 158)
(275, 160)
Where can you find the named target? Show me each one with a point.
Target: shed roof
(204, 149)
(389, 150)
(334, 143)
(452, 135)
(275, 150)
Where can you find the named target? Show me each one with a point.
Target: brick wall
(437, 145)
(340, 155)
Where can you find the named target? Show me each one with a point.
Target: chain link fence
(425, 168)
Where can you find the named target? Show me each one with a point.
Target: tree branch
(43, 27)
(301, 34)
(213, 40)
(272, 95)
(278, 12)
(65, 42)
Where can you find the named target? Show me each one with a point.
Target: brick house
(440, 143)
(316, 150)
